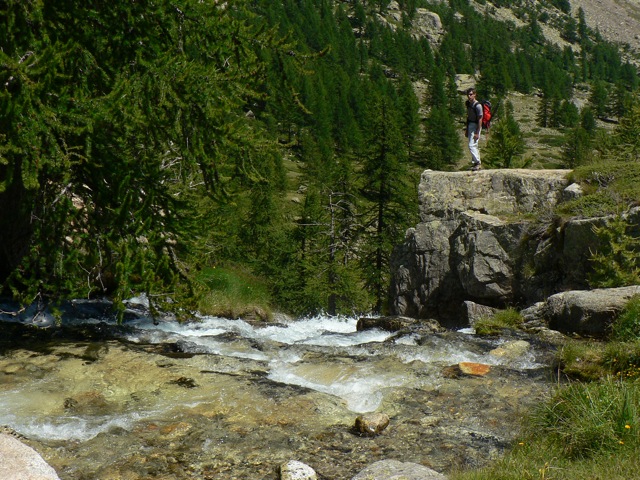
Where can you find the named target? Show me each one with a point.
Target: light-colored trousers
(473, 143)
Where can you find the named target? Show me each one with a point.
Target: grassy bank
(589, 426)
(233, 292)
(583, 431)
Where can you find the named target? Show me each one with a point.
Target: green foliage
(232, 292)
(496, 323)
(386, 188)
(577, 148)
(597, 204)
(134, 152)
(599, 98)
(505, 144)
(592, 418)
(627, 135)
(595, 361)
(621, 356)
(141, 114)
(442, 150)
(609, 187)
(615, 260)
(627, 326)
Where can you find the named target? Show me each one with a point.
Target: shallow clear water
(224, 387)
(355, 367)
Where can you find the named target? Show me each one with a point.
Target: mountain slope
(617, 20)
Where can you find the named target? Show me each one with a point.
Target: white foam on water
(468, 331)
(361, 387)
(410, 340)
(443, 352)
(28, 413)
(73, 427)
(319, 331)
(308, 330)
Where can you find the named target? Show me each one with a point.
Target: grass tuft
(591, 418)
(584, 430)
(503, 319)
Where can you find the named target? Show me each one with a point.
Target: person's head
(471, 92)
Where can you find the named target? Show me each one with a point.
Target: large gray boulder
(586, 311)
(490, 239)
(482, 238)
(21, 462)
(396, 470)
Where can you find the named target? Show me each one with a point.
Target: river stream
(228, 399)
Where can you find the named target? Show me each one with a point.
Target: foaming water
(74, 428)
(317, 331)
(441, 351)
(322, 354)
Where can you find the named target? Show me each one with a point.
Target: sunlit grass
(494, 324)
(583, 431)
(233, 292)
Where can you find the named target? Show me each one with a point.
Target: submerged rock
(511, 350)
(466, 368)
(389, 324)
(259, 403)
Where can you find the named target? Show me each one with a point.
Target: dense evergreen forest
(150, 146)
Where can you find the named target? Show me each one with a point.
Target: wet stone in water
(372, 424)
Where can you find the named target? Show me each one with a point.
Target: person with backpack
(473, 127)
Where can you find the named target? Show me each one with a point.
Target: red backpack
(486, 114)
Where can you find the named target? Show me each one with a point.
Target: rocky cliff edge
(490, 238)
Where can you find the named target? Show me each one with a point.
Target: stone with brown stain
(476, 369)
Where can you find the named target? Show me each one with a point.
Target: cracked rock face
(478, 240)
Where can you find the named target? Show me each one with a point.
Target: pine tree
(506, 143)
(576, 148)
(142, 110)
(386, 188)
(599, 99)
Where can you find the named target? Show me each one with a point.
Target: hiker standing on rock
(474, 127)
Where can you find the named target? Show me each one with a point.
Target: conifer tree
(408, 105)
(599, 99)
(576, 148)
(142, 112)
(442, 140)
(386, 188)
(627, 136)
(506, 143)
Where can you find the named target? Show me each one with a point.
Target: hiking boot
(475, 167)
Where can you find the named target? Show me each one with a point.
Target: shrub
(622, 359)
(233, 292)
(583, 360)
(598, 204)
(616, 262)
(627, 326)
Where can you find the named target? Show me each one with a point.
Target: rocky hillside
(617, 20)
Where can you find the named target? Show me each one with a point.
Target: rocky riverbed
(224, 399)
